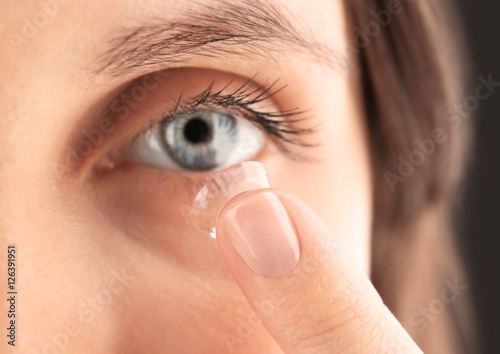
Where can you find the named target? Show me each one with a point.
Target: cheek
(63, 277)
(338, 185)
(341, 192)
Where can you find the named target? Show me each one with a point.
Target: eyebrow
(248, 28)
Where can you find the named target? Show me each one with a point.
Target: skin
(104, 265)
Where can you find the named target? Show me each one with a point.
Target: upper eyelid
(239, 101)
(242, 95)
(210, 98)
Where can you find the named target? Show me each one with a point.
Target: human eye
(214, 129)
(203, 139)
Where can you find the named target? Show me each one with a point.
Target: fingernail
(261, 232)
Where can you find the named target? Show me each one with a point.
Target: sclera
(221, 188)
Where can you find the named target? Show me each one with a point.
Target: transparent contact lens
(221, 188)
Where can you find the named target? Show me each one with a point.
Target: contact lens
(221, 188)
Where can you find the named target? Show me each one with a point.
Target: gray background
(478, 225)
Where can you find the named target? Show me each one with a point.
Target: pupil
(196, 131)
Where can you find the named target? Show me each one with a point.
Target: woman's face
(106, 259)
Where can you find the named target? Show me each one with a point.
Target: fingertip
(258, 228)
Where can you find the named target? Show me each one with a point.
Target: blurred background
(479, 230)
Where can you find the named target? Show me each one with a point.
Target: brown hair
(412, 70)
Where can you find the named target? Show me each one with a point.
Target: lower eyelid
(141, 192)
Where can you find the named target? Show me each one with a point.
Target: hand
(308, 292)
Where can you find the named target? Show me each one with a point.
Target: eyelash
(240, 101)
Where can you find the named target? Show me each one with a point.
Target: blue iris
(201, 140)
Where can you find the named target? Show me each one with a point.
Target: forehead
(93, 26)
